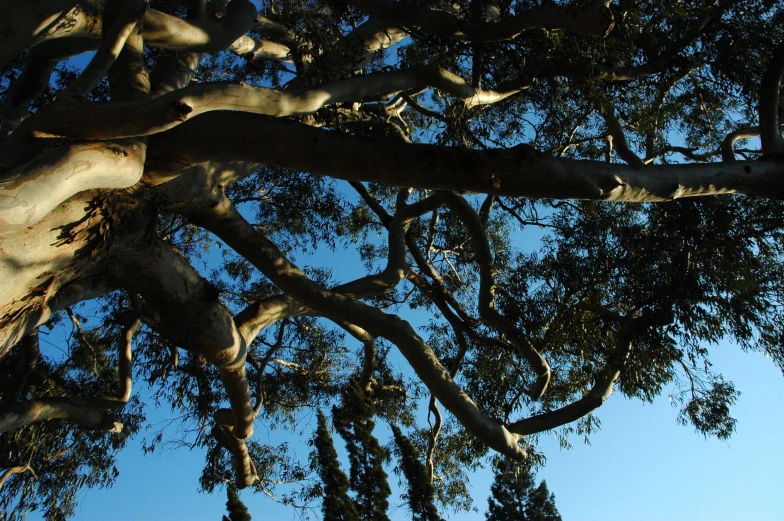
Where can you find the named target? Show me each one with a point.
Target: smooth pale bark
(34, 308)
(520, 171)
(728, 144)
(129, 119)
(12, 471)
(111, 46)
(203, 35)
(38, 20)
(618, 137)
(33, 190)
(255, 48)
(593, 399)
(86, 413)
(184, 307)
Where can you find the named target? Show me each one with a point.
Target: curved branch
(29, 192)
(203, 35)
(728, 144)
(17, 470)
(185, 308)
(232, 228)
(487, 310)
(593, 399)
(245, 473)
(35, 77)
(618, 137)
(111, 46)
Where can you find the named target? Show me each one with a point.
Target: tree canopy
(578, 196)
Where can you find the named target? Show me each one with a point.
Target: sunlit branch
(618, 136)
(111, 45)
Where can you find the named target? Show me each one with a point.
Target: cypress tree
(513, 496)
(336, 504)
(541, 505)
(420, 489)
(353, 421)
(235, 507)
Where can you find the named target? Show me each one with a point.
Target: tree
(421, 494)
(515, 497)
(541, 505)
(336, 504)
(367, 476)
(419, 138)
(236, 508)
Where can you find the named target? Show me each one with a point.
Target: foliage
(366, 456)
(420, 495)
(447, 212)
(336, 505)
(514, 496)
(236, 508)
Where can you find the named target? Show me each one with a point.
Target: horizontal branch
(127, 119)
(520, 171)
(85, 413)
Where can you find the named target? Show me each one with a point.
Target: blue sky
(641, 466)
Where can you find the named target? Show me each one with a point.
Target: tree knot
(182, 108)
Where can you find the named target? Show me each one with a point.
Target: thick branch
(111, 46)
(245, 473)
(115, 120)
(183, 306)
(520, 171)
(90, 414)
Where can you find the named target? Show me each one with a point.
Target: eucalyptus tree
(419, 138)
